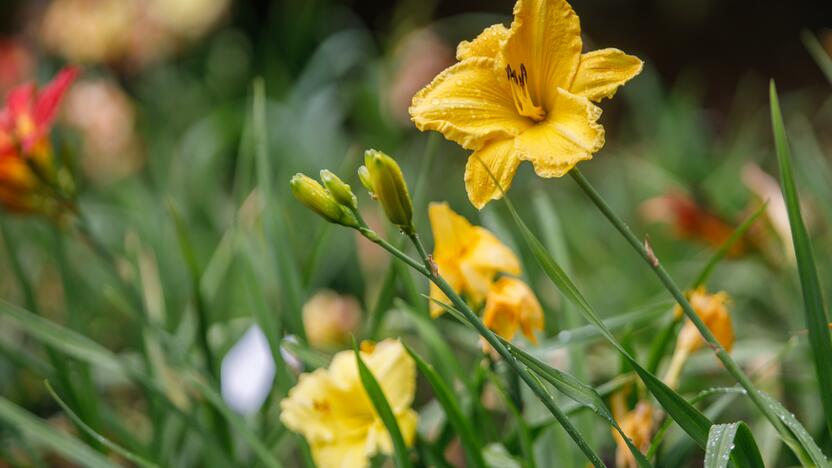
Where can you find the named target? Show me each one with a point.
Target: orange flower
(713, 310)
(638, 426)
(25, 122)
(510, 305)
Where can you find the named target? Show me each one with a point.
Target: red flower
(28, 114)
(25, 122)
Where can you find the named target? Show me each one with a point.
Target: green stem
(533, 383)
(730, 365)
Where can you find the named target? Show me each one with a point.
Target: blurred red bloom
(25, 121)
(16, 63)
(690, 221)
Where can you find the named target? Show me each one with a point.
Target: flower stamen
(520, 92)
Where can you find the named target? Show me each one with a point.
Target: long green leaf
(723, 439)
(815, 311)
(376, 395)
(720, 444)
(818, 53)
(472, 446)
(579, 392)
(273, 225)
(688, 417)
(797, 429)
(37, 430)
(128, 455)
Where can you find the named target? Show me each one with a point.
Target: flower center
(520, 92)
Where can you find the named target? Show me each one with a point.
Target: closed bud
(364, 177)
(387, 181)
(339, 190)
(312, 194)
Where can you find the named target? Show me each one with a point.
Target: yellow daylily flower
(511, 304)
(335, 415)
(468, 257)
(713, 310)
(523, 93)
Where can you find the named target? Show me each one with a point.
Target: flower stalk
(730, 365)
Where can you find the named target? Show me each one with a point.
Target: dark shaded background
(719, 41)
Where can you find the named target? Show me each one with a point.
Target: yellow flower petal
(346, 453)
(470, 103)
(545, 37)
(487, 44)
(601, 72)
(378, 439)
(486, 257)
(395, 372)
(567, 136)
(510, 305)
(501, 161)
(302, 411)
(332, 410)
(451, 232)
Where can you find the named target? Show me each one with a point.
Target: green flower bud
(388, 184)
(339, 190)
(364, 177)
(309, 192)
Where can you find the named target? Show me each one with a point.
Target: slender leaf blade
(720, 444)
(35, 429)
(818, 53)
(137, 459)
(686, 415)
(815, 311)
(382, 406)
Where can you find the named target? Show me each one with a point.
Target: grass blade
(128, 455)
(35, 429)
(274, 227)
(797, 429)
(818, 53)
(724, 438)
(467, 437)
(686, 415)
(376, 395)
(816, 319)
(720, 444)
(579, 392)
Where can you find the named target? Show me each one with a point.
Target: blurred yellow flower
(713, 310)
(335, 415)
(638, 426)
(511, 304)
(524, 93)
(330, 318)
(467, 256)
